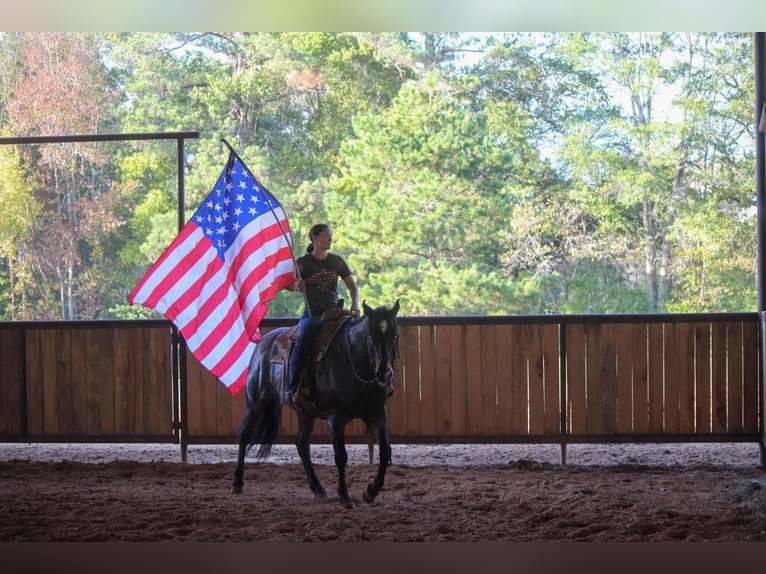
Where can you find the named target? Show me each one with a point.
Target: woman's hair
(316, 230)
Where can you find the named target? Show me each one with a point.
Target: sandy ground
(719, 454)
(614, 493)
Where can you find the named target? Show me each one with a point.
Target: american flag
(215, 279)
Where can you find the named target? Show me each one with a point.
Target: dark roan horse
(353, 380)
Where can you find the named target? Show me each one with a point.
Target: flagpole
(274, 213)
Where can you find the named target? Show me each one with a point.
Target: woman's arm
(354, 292)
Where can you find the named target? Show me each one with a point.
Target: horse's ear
(395, 308)
(366, 308)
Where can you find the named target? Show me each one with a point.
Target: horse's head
(383, 336)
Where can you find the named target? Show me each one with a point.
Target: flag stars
(235, 201)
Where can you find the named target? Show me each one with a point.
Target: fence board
(702, 376)
(458, 390)
(656, 345)
(640, 379)
(428, 380)
(11, 381)
(519, 381)
(442, 381)
(36, 371)
(504, 374)
(608, 378)
(734, 376)
(395, 407)
(126, 345)
(550, 339)
(594, 411)
(50, 383)
(489, 352)
(409, 341)
(536, 385)
(474, 380)
(53, 353)
(751, 379)
(672, 379)
(686, 377)
(718, 377)
(623, 340)
(672, 373)
(576, 352)
(100, 368)
(157, 400)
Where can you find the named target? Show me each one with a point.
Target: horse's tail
(266, 428)
(264, 404)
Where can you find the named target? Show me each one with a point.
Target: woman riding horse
(354, 380)
(318, 273)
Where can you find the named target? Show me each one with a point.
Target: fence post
(180, 350)
(759, 42)
(563, 391)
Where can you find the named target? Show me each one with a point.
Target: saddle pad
(329, 330)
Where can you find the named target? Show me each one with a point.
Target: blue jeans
(308, 329)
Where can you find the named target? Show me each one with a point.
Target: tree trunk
(650, 255)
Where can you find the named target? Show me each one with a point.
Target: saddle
(332, 322)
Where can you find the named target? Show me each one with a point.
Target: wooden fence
(520, 379)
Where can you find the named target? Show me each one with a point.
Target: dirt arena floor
(520, 493)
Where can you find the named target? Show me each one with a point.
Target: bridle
(370, 352)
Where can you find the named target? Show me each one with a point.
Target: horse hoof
(367, 497)
(236, 490)
(349, 505)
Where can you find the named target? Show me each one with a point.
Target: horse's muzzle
(385, 377)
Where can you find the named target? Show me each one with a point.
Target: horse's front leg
(303, 444)
(337, 429)
(379, 429)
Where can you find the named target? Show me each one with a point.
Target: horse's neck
(360, 325)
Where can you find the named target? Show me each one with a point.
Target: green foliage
(17, 204)
(545, 174)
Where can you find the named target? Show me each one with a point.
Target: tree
(427, 185)
(61, 89)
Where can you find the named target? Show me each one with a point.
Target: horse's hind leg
(379, 429)
(303, 444)
(245, 431)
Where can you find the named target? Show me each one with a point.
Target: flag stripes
(215, 279)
